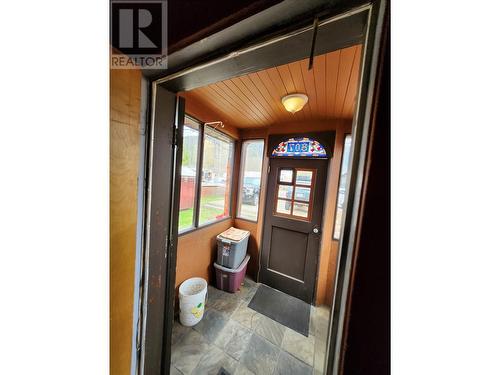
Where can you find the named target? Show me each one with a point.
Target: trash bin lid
(234, 234)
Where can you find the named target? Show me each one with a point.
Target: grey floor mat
(287, 310)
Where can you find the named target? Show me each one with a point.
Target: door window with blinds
(294, 193)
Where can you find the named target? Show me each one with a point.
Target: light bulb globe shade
(294, 102)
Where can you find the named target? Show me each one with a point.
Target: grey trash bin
(232, 247)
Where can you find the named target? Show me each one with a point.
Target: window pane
(285, 191)
(342, 186)
(188, 174)
(286, 175)
(284, 207)
(216, 176)
(300, 209)
(302, 193)
(304, 178)
(250, 174)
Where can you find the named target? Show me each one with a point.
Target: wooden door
(292, 225)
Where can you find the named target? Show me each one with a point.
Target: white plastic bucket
(192, 294)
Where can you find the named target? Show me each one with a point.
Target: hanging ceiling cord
(313, 43)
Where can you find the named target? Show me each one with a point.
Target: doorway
(293, 218)
(158, 334)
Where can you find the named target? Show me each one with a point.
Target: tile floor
(243, 341)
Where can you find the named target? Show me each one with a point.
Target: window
(215, 201)
(190, 147)
(294, 193)
(250, 177)
(205, 179)
(342, 186)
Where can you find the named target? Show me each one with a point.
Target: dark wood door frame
(279, 49)
(288, 16)
(163, 192)
(361, 135)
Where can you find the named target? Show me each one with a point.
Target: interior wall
(125, 105)
(196, 252)
(329, 247)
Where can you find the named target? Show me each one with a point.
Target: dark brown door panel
(292, 228)
(289, 260)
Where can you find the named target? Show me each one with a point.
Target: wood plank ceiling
(254, 100)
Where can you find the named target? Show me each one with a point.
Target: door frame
(238, 61)
(327, 140)
(164, 155)
(361, 133)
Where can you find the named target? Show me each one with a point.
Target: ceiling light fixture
(294, 102)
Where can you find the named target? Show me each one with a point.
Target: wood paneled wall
(196, 252)
(125, 103)
(329, 254)
(253, 245)
(331, 272)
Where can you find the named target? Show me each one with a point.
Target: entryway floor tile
(244, 342)
(260, 356)
(289, 365)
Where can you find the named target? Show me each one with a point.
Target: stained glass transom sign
(300, 147)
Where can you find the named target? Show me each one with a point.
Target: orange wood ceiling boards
(254, 100)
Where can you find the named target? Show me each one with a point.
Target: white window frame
(241, 178)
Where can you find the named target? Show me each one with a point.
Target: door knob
(315, 230)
